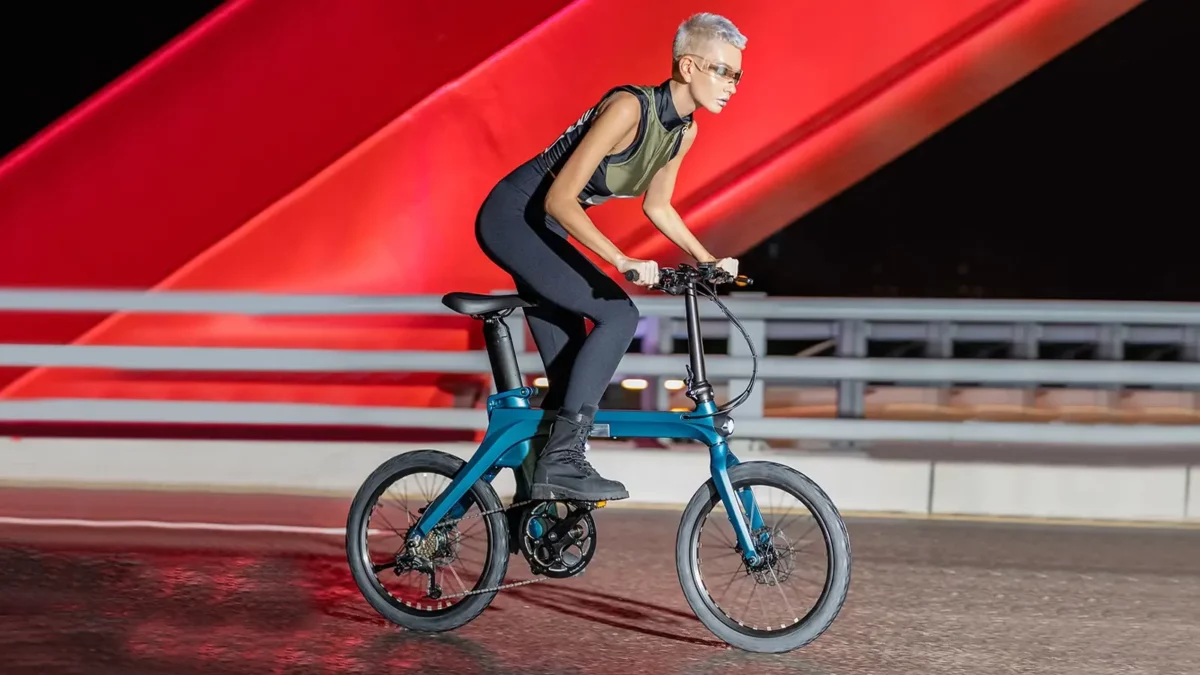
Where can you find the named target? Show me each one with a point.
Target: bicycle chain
(501, 587)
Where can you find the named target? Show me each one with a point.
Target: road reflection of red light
(183, 611)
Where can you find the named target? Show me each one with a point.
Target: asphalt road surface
(927, 597)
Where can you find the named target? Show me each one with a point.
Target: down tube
(721, 460)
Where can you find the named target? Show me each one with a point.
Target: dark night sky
(1077, 182)
(1069, 184)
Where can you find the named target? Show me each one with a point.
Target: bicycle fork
(745, 517)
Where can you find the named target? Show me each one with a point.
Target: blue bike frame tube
(510, 428)
(504, 431)
(721, 461)
(488, 459)
(748, 501)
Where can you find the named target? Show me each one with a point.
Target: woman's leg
(549, 271)
(553, 273)
(567, 287)
(558, 335)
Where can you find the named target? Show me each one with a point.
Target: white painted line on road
(165, 525)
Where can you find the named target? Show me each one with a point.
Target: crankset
(558, 539)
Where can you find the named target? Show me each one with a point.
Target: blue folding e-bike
(430, 543)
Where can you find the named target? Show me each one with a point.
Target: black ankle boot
(562, 470)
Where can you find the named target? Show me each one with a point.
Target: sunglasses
(718, 69)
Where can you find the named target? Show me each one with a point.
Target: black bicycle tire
(495, 566)
(837, 540)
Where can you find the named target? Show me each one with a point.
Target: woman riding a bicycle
(631, 143)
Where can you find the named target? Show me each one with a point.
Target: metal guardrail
(767, 308)
(849, 321)
(301, 415)
(771, 368)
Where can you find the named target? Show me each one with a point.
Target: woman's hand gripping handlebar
(674, 280)
(641, 272)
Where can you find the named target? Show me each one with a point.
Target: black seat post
(501, 354)
(492, 309)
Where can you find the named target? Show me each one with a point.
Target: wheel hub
(776, 559)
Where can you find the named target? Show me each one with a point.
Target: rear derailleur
(424, 556)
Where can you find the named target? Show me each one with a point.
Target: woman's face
(714, 74)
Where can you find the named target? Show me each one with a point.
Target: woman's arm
(614, 121)
(658, 208)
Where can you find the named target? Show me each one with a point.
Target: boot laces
(575, 454)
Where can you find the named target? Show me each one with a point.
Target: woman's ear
(686, 68)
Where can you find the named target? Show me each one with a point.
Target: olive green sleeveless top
(628, 173)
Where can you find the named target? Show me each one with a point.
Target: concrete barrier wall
(1107, 493)
(858, 484)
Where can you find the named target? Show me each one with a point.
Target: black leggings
(516, 233)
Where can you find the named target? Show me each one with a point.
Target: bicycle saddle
(476, 304)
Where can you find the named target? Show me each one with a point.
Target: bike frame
(513, 423)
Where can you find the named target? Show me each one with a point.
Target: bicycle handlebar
(678, 280)
(673, 279)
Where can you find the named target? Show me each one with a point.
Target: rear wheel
(387, 505)
(768, 610)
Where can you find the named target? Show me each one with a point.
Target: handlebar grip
(632, 275)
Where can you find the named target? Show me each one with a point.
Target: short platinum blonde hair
(698, 28)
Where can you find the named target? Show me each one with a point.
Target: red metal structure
(345, 148)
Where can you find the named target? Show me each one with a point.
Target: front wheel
(765, 608)
(444, 584)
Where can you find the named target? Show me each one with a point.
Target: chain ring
(535, 550)
(513, 584)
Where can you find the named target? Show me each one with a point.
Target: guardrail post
(1111, 348)
(519, 330)
(1191, 343)
(756, 329)
(1026, 338)
(940, 345)
(657, 338)
(851, 342)
(1190, 351)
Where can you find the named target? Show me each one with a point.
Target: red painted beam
(831, 92)
(219, 124)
